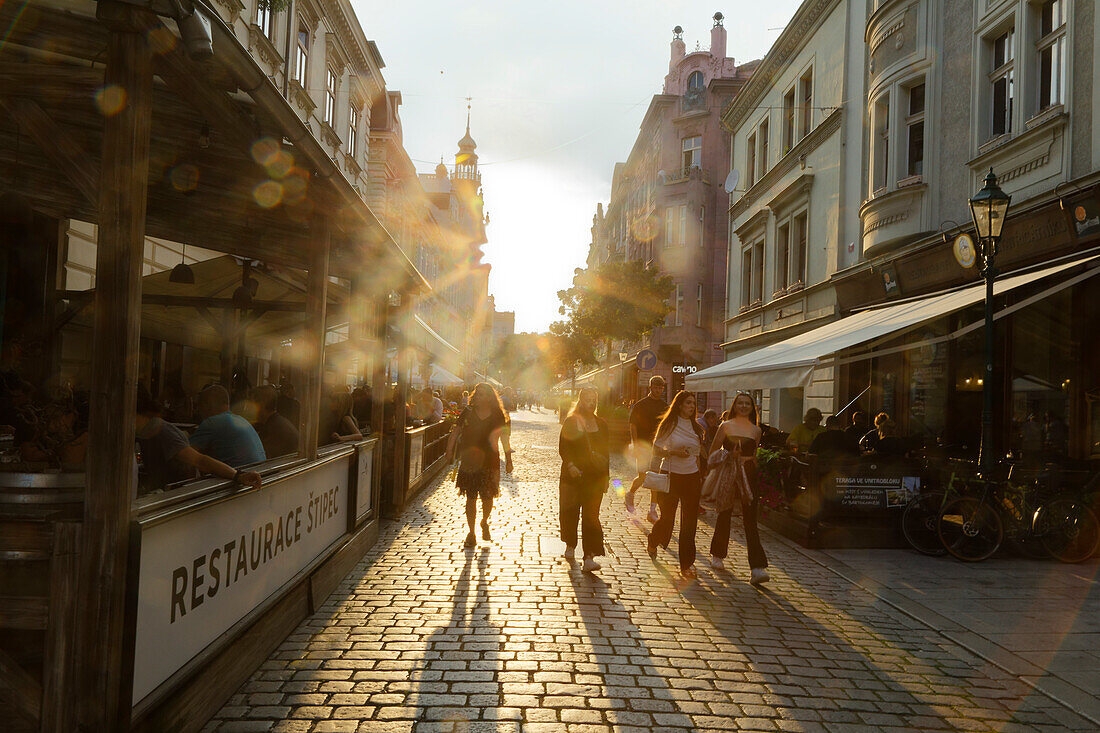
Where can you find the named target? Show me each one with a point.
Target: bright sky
(558, 93)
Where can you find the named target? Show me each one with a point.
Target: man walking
(645, 415)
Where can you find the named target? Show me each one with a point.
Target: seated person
(833, 443)
(222, 435)
(869, 442)
(166, 455)
(278, 435)
(803, 435)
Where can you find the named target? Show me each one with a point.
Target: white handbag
(656, 481)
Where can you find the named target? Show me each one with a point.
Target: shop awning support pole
(102, 699)
(316, 300)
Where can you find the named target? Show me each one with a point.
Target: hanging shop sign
(202, 571)
(684, 369)
(966, 254)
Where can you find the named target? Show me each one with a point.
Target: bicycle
(973, 527)
(919, 521)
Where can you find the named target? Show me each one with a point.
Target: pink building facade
(668, 209)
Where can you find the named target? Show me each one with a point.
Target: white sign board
(203, 571)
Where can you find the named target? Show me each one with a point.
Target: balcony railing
(687, 173)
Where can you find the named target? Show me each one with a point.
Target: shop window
(1051, 48)
(1044, 354)
(1002, 83)
(914, 132)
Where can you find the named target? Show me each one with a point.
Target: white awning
(791, 363)
(435, 343)
(443, 378)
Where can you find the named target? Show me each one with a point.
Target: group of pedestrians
(669, 442)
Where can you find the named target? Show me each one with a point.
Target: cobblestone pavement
(426, 636)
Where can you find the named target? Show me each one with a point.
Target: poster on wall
(202, 571)
(364, 489)
(868, 493)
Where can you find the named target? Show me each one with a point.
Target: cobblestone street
(424, 635)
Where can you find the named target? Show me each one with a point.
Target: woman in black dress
(738, 482)
(585, 469)
(479, 428)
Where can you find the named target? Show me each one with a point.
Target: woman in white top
(679, 443)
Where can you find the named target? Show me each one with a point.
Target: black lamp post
(989, 208)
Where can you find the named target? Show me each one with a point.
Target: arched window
(695, 81)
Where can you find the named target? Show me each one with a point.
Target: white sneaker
(653, 515)
(759, 576)
(716, 562)
(570, 552)
(590, 564)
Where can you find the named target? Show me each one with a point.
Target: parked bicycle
(973, 526)
(920, 520)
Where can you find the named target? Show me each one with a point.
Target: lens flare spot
(268, 194)
(110, 99)
(279, 164)
(264, 149)
(294, 186)
(184, 177)
(645, 227)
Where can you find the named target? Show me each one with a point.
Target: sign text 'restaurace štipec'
(203, 571)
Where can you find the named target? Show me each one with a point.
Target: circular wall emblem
(1080, 214)
(965, 252)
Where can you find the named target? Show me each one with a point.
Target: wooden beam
(23, 690)
(54, 143)
(316, 304)
(194, 301)
(104, 676)
(57, 708)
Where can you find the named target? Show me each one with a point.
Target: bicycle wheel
(918, 523)
(970, 529)
(1071, 531)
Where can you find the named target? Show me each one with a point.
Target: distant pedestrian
(679, 445)
(585, 469)
(645, 415)
(737, 483)
(475, 436)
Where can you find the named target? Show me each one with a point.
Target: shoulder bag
(655, 480)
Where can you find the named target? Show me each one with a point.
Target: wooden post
(403, 316)
(379, 386)
(103, 697)
(316, 302)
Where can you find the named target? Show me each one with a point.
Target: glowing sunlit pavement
(426, 636)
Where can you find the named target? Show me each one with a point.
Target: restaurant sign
(872, 492)
(202, 571)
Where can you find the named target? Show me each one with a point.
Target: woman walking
(480, 427)
(679, 445)
(737, 481)
(585, 469)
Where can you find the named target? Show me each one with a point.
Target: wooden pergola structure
(105, 118)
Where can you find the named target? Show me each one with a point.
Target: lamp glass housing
(989, 207)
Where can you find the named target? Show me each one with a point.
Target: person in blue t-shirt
(222, 435)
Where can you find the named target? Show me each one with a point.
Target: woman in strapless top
(738, 483)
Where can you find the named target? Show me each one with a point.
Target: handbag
(656, 481)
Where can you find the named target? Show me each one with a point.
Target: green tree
(566, 348)
(617, 301)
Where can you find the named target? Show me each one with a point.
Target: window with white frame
(914, 130)
(353, 129)
(1051, 47)
(752, 273)
(1002, 82)
(782, 257)
(692, 152)
(750, 161)
(674, 318)
(265, 20)
(676, 225)
(762, 155)
(702, 226)
(806, 92)
(330, 96)
(301, 58)
(699, 305)
(880, 144)
(788, 120)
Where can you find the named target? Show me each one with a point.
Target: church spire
(466, 158)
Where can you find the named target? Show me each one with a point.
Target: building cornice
(786, 164)
(796, 35)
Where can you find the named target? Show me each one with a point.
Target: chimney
(677, 48)
(718, 37)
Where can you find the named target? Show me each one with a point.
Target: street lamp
(989, 208)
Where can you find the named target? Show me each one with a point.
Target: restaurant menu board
(364, 496)
(869, 493)
(203, 571)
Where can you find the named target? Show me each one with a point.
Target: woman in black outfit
(479, 428)
(738, 482)
(585, 469)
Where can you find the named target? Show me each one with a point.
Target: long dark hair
(668, 420)
(573, 409)
(754, 417)
(498, 407)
